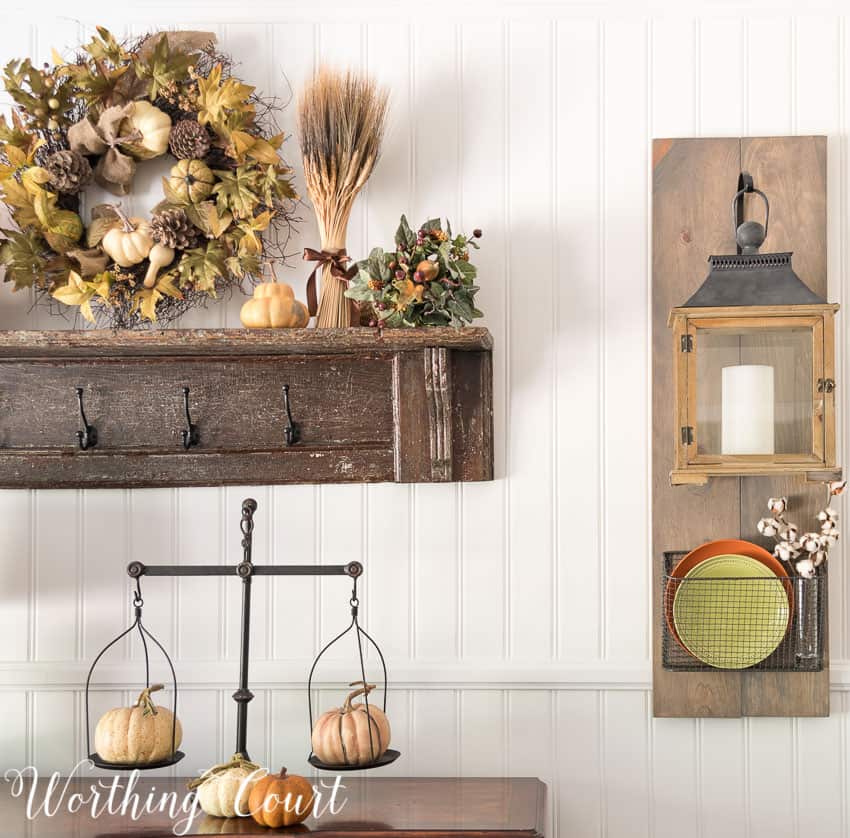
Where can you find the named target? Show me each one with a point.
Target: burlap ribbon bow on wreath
(115, 169)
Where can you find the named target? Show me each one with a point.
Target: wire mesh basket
(736, 622)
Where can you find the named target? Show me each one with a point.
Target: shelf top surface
(363, 806)
(100, 342)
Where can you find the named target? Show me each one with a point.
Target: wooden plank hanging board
(694, 181)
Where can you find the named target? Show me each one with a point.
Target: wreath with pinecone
(228, 199)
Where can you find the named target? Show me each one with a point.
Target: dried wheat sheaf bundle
(341, 117)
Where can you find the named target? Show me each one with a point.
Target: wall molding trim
(269, 675)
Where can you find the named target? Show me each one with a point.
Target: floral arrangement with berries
(95, 119)
(427, 280)
(807, 551)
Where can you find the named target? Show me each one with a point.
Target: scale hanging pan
(355, 736)
(151, 736)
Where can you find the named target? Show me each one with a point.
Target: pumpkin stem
(282, 774)
(146, 702)
(129, 227)
(270, 265)
(364, 689)
(236, 761)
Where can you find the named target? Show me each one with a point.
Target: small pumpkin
(138, 735)
(151, 127)
(191, 181)
(274, 306)
(129, 242)
(342, 735)
(281, 800)
(224, 790)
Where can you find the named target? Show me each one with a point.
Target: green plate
(731, 612)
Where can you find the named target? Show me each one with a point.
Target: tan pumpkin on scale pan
(351, 734)
(138, 735)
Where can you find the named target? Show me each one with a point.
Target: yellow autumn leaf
(17, 156)
(77, 292)
(63, 223)
(145, 302)
(250, 243)
(33, 178)
(15, 196)
(408, 292)
(20, 159)
(102, 284)
(57, 59)
(165, 285)
(243, 144)
(215, 98)
(217, 223)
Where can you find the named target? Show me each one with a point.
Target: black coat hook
(86, 438)
(291, 432)
(190, 434)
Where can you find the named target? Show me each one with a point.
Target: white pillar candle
(747, 410)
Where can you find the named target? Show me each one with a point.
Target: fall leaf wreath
(228, 200)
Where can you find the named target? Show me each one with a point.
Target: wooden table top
(374, 807)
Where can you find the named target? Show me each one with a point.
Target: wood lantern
(754, 366)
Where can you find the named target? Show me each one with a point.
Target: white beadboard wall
(514, 614)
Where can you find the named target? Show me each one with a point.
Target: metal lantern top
(750, 278)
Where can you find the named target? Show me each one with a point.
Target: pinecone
(189, 140)
(69, 171)
(172, 228)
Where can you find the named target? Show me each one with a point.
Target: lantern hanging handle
(749, 235)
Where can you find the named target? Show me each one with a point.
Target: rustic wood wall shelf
(693, 180)
(403, 406)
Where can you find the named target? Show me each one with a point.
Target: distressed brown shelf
(402, 405)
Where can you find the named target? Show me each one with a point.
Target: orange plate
(721, 547)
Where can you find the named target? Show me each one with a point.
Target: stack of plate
(729, 604)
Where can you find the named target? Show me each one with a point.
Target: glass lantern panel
(754, 391)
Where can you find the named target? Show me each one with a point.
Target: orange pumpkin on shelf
(274, 306)
(279, 800)
(351, 734)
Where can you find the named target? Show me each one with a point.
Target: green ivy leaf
(404, 236)
(467, 271)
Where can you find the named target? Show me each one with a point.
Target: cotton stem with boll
(807, 551)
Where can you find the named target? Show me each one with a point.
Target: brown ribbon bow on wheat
(338, 261)
(115, 169)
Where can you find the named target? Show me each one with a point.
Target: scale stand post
(245, 570)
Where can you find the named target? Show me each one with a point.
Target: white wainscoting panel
(514, 615)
